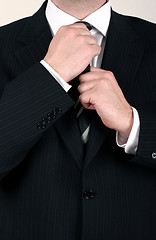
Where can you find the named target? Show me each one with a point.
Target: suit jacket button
(43, 119)
(43, 122)
(59, 110)
(89, 194)
(48, 119)
(154, 155)
(39, 126)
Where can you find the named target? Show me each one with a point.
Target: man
(57, 182)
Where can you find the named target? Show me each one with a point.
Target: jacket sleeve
(146, 153)
(29, 105)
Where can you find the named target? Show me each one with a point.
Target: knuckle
(72, 32)
(80, 88)
(81, 77)
(107, 75)
(82, 98)
(89, 48)
(93, 40)
(110, 74)
(102, 82)
(62, 28)
(99, 49)
(81, 39)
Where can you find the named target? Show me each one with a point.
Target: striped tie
(84, 116)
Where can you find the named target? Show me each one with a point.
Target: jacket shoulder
(12, 30)
(144, 29)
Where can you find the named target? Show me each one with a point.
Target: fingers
(95, 74)
(82, 36)
(87, 99)
(84, 87)
(89, 39)
(79, 29)
(90, 76)
(87, 77)
(93, 82)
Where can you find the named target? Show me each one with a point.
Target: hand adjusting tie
(73, 92)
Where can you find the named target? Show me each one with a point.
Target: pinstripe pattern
(44, 172)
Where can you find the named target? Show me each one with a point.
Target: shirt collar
(99, 19)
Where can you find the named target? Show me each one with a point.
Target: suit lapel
(97, 136)
(68, 129)
(123, 51)
(122, 55)
(33, 41)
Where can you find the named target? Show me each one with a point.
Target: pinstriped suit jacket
(44, 168)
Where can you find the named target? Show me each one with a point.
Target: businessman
(77, 125)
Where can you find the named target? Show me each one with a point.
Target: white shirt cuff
(130, 144)
(58, 78)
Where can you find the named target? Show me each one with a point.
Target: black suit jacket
(46, 175)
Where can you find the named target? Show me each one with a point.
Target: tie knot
(88, 25)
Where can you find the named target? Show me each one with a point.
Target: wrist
(62, 73)
(127, 123)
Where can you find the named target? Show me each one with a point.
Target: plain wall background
(11, 10)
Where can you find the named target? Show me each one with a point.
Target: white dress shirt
(99, 20)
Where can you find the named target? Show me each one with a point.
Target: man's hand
(100, 91)
(71, 50)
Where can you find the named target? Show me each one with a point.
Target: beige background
(11, 10)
